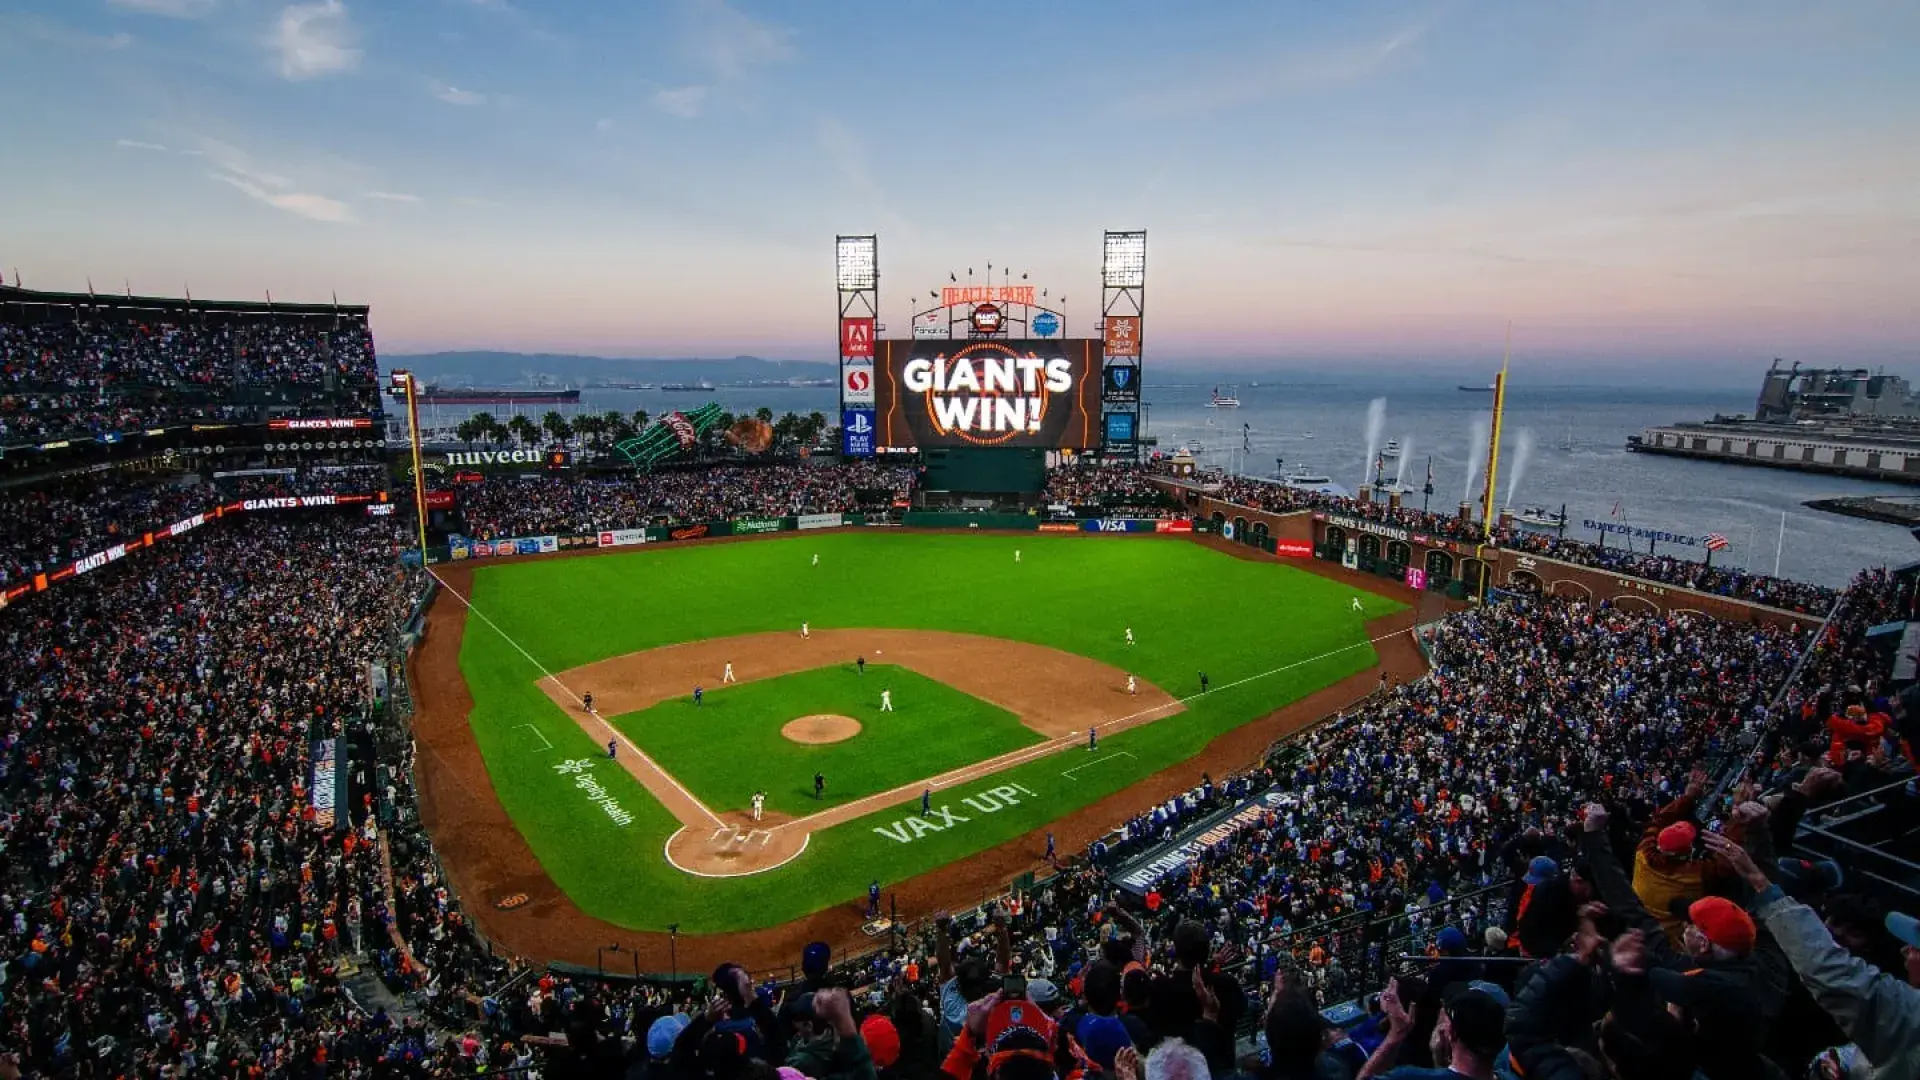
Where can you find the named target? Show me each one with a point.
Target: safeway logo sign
(856, 382)
(856, 337)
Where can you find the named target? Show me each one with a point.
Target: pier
(1871, 451)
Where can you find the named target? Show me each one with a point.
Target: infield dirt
(488, 860)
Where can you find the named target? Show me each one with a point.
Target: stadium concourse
(1506, 845)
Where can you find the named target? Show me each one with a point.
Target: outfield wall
(1460, 569)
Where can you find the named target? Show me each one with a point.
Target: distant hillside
(502, 369)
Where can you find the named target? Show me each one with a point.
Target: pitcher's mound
(821, 728)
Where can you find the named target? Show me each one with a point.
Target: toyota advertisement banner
(953, 394)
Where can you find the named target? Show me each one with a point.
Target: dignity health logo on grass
(577, 768)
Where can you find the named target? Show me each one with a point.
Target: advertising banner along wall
(987, 393)
(1137, 875)
(819, 521)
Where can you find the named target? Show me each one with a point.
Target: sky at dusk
(1644, 183)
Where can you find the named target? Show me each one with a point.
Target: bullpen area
(998, 654)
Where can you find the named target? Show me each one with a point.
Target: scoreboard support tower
(1123, 307)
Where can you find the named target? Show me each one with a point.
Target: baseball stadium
(965, 732)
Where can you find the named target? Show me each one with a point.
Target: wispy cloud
(316, 39)
(136, 144)
(731, 43)
(474, 203)
(1273, 72)
(240, 171)
(304, 204)
(393, 196)
(33, 28)
(453, 95)
(681, 101)
(850, 158)
(172, 9)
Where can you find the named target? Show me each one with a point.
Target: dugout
(983, 478)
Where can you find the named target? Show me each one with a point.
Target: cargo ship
(468, 395)
(700, 387)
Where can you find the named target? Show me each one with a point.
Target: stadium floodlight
(1124, 265)
(855, 263)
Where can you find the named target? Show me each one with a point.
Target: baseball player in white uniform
(1357, 605)
(816, 558)
(1016, 554)
(759, 803)
(804, 635)
(1129, 635)
(886, 701)
(1133, 687)
(727, 675)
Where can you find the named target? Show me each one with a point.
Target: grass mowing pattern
(1191, 609)
(730, 746)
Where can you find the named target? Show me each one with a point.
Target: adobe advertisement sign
(987, 393)
(856, 337)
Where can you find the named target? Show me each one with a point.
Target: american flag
(1715, 542)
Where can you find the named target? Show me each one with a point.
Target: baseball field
(996, 668)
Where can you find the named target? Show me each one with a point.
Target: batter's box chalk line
(1096, 761)
(544, 744)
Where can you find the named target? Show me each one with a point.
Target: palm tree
(763, 414)
(523, 430)
(639, 419)
(497, 432)
(787, 428)
(611, 420)
(589, 428)
(483, 425)
(557, 426)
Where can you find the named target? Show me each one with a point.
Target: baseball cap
(1477, 1014)
(1043, 992)
(1017, 1026)
(883, 1040)
(1452, 940)
(1540, 869)
(1904, 927)
(662, 1034)
(1677, 838)
(1807, 877)
(1101, 1037)
(1724, 922)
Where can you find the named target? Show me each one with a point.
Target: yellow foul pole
(419, 475)
(1487, 514)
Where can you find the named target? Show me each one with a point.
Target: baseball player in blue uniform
(873, 900)
(613, 745)
(697, 695)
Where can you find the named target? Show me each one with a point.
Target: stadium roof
(12, 295)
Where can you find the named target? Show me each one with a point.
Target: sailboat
(1567, 445)
(1227, 402)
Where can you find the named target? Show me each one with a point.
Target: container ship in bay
(468, 395)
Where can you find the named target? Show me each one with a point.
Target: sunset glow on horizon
(1712, 181)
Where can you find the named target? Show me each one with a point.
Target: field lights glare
(1124, 265)
(855, 262)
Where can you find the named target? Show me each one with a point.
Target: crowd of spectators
(1533, 820)
(546, 505)
(43, 528)
(99, 369)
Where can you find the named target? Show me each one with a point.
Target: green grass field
(934, 728)
(1266, 632)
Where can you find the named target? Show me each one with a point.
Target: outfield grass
(1265, 632)
(730, 746)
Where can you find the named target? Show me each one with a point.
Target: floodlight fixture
(1124, 264)
(856, 264)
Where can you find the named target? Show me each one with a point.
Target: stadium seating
(177, 902)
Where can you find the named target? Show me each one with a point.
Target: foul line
(617, 733)
(1096, 761)
(990, 766)
(545, 745)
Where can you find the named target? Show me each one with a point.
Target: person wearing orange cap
(1665, 866)
(1728, 988)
